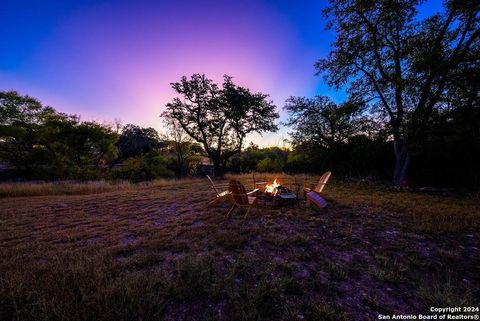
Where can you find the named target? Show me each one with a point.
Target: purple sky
(107, 60)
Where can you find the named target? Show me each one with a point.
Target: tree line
(38, 142)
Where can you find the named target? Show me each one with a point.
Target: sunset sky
(107, 60)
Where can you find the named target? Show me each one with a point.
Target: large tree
(219, 118)
(21, 118)
(403, 65)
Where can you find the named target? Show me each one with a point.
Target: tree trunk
(402, 162)
(181, 160)
(217, 168)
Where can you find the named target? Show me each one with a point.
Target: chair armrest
(222, 186)
(257, 184)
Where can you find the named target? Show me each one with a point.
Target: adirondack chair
(295, 186)
(320, 185)
(312, 195)
(257, 184)
(241, 198)
(220, 196)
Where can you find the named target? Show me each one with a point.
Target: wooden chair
(312, 195)
(295, 186)
(259, 184)
(241, 198)
(321, 184)
(220, 196)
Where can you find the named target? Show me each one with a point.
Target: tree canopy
(320, 121)
(136, 140)
(220, 118)
(401, 65)
(41, 142)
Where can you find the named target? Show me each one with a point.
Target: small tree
(187, 152)
(21, 120)
(94, 144)
(135, 141)
(402, 65)
(321, 122)
(219, 119)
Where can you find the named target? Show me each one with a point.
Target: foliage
(147, 167)
(188, 154)
(451, 153)
(253, 158)
(42, 143)
(327, 136)
(269, 165)
(219, 119)
(319, 121)
(403, 66)
(135, 141)
(20, 118)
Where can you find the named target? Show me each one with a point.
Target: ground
(156, 252)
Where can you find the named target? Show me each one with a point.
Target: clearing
(156, 252)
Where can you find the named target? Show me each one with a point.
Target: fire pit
(276, 194)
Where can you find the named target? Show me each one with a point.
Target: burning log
(276, 194)
(276, 189)
(272, 188)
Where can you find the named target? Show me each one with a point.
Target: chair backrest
(238, 191)
(256, 183)
(296, 183)
(213, 185)
(322, 182)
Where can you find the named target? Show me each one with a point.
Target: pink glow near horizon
(119, 65)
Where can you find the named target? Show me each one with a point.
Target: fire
(272, 188)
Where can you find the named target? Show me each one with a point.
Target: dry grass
(60, 188)
(75, 188)
(154, 251)
(430, 213)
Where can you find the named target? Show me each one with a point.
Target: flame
(272, 188)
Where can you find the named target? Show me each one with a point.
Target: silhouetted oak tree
(135, 141)
(220, 118)
(402, 65)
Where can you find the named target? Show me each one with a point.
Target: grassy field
(156, 252)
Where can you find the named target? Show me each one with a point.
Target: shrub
(269, 165)
(147, 167)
